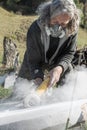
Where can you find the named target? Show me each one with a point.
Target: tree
(83, 1)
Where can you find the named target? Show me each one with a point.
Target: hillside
(16, 26)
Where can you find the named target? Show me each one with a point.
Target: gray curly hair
(52, 8)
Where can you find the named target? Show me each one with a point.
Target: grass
(5, 93)
(15, 27)
(82, 38)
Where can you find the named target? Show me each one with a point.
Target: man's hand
(54, 75)
(38, 81)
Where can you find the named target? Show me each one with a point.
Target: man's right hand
(54, 75)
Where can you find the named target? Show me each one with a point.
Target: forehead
(62, 16)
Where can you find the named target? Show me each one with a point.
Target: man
(51, 42)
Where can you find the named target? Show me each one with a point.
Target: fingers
(54, 77)
(52, 82)
(38, 81)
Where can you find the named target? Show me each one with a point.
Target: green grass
(82, 38)
(15, 27)
(5, 93)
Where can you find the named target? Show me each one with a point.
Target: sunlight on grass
(4, 93)
(14, 26)
(82, 38)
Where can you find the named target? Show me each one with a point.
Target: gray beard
(55, 31)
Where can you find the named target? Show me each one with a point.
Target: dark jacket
(34, 58)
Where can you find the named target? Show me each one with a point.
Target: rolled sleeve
(66, 59)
